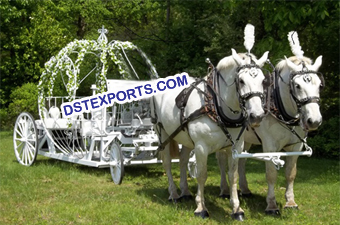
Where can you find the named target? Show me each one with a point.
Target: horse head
(249, 85)
(305, 84)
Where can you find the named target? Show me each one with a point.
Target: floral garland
(62, 63)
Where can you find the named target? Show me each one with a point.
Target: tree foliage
(177, 35)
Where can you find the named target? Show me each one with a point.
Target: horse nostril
(252, 116)
(309, 121)
(314, 124)
(255, 118)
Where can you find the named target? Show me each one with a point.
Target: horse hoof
(174, 200)
(186, 197)
(224, 196)
(273, 212)
(203, 214)
(248, 195)
(292, 207)
(239, 216)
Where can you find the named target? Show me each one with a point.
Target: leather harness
(212, 107)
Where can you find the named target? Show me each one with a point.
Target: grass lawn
(56, 192)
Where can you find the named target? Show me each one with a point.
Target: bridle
(253, 72)
(309, 99)
(243, 98)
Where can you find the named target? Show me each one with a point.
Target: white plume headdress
(249, 37)
(295, 44)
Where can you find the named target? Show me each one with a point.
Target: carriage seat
(98, 124)
(53, 121)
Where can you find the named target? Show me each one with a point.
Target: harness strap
(196, 114)
(257, 136)
(182, 98)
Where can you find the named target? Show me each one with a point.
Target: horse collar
(278, 109)
(213, 102)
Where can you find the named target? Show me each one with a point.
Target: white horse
(240, 86)
(297, 90)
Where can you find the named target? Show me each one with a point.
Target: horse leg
(290, 177)
(222, 163)
(242, 174)
(201, 160)
(238, 213)
(166, 159)
(271, 176)
(183, 163)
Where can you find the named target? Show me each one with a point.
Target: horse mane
(282, 64)
(229, 61)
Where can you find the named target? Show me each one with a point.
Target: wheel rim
(116, 163)
(25, 139)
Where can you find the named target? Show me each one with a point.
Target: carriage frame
(115, 136)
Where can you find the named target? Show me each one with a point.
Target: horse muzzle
(312, 124)
(255, 119)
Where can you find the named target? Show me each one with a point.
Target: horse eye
(241, 81)
(297, 86)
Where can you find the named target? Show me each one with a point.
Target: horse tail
(174, 149)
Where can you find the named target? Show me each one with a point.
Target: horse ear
(260, 62)
(292, 65)
(317, 63)
(237, 58)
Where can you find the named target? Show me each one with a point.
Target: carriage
(123, 134)
(115, 136)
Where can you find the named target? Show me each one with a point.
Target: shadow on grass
(71, 166)
(160, 196)
(132, 172)
(219, 208)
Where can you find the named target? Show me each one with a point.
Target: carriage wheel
(192, 168)
(116, 163)
(25, 139)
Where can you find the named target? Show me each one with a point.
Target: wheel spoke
(31, 140)
(30, 155)
(26, 126)
(18, 146)
(18, 132)
(30, 145)
(22, 149)
(27, 150)
(23, 155)
(21, 128)
(26, 154)
(24, 130)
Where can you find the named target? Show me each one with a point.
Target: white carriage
(114, 136)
